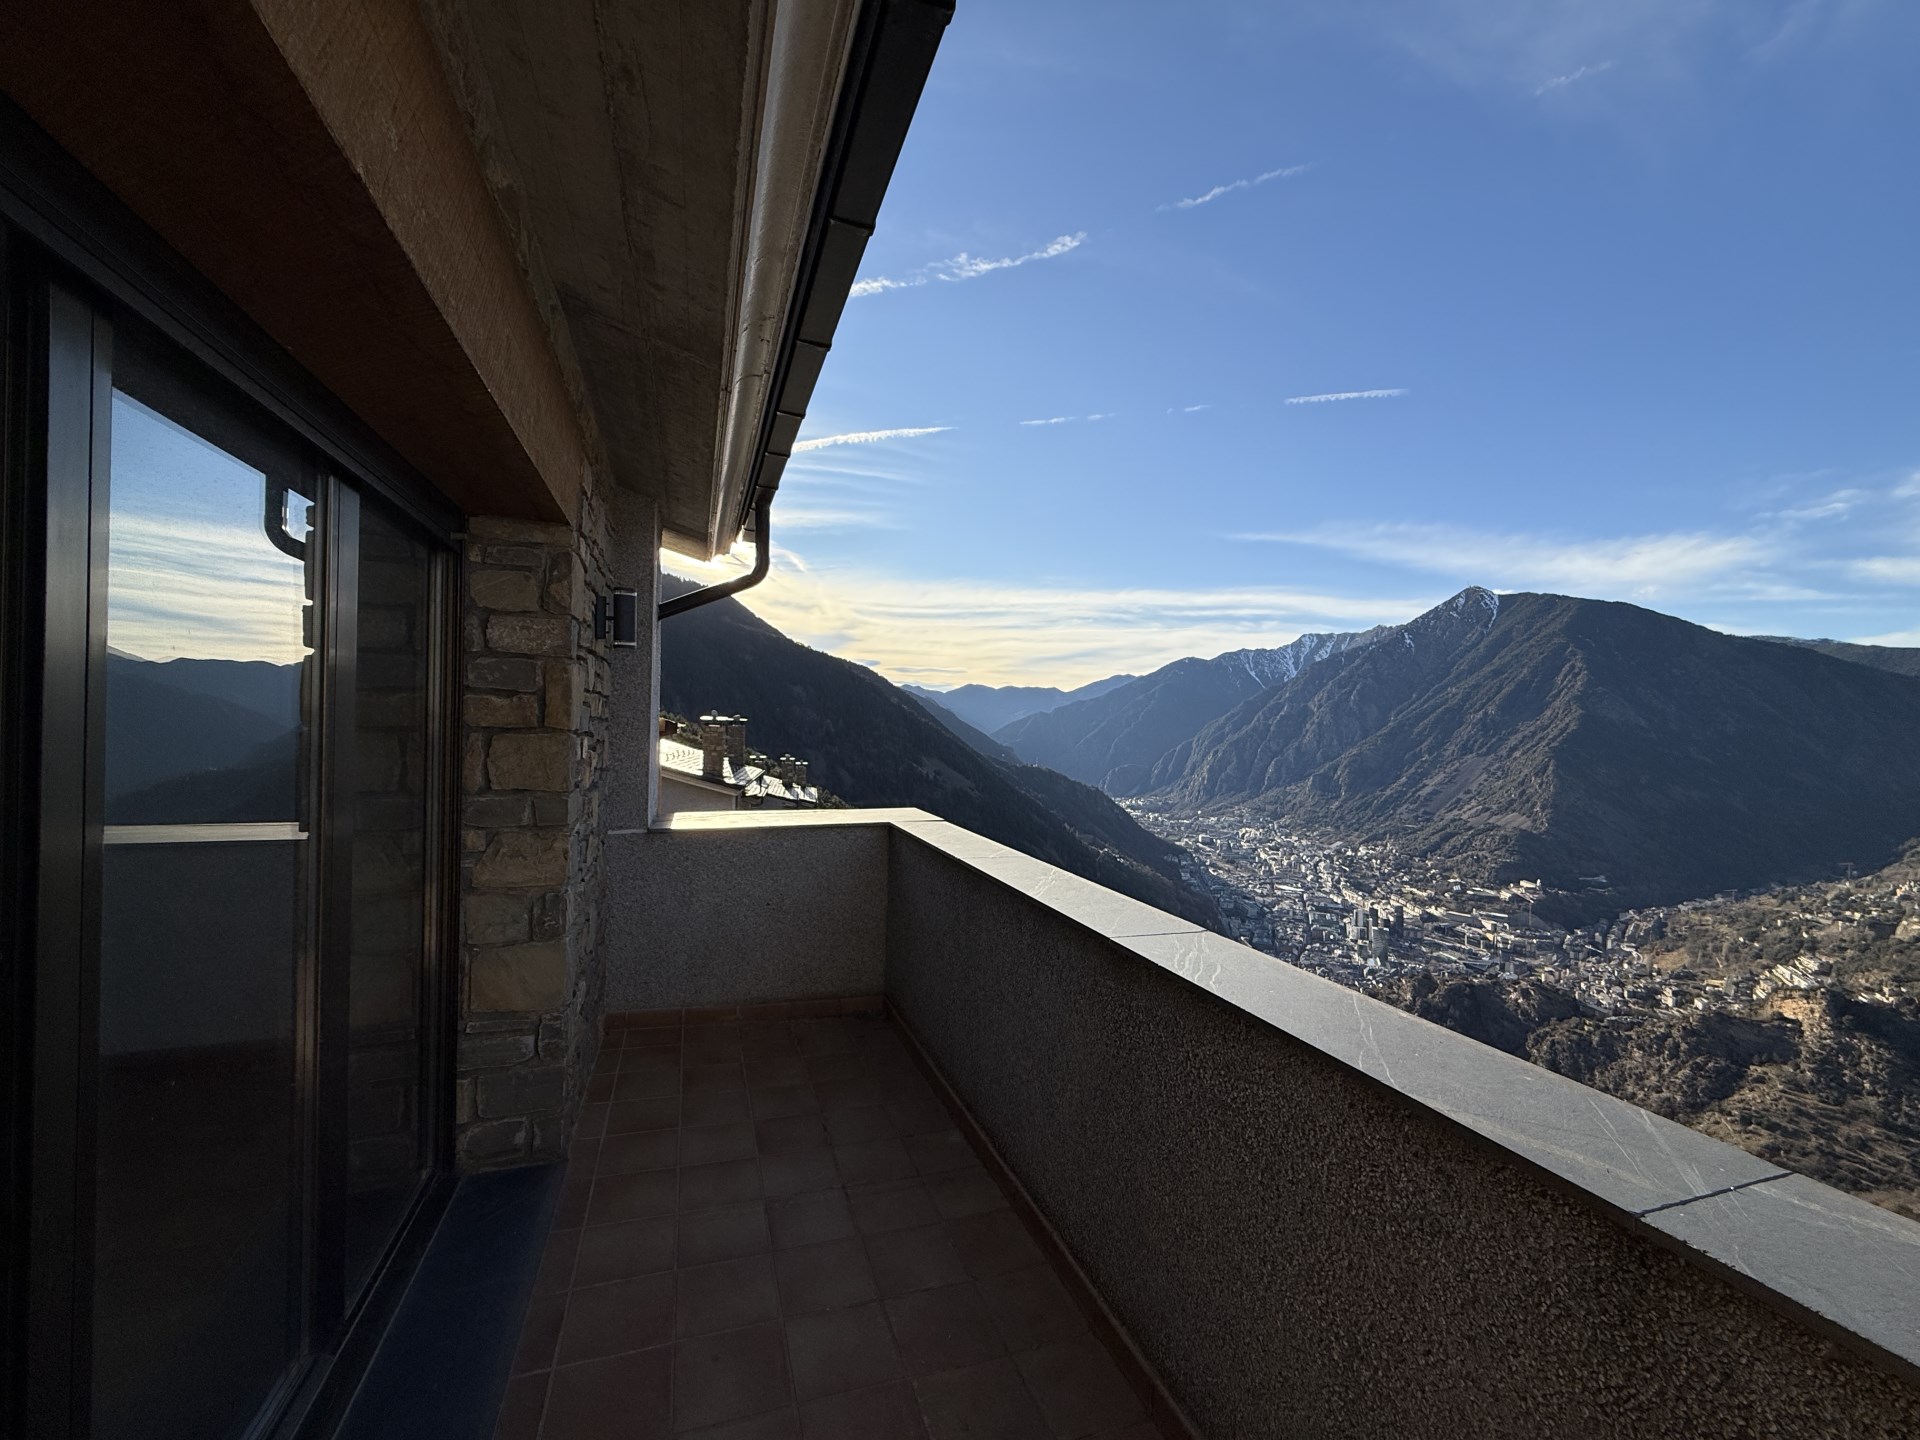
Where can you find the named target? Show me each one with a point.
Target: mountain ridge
(1113, 740)
(988, 707)
(1543, 736)
(874, 745)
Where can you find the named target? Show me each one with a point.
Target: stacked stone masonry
(534, 728)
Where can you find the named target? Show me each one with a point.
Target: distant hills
(1113, 739)
(198, 741)
(874, 745)
(988, 707)
(1567, 739)
(1900, 660)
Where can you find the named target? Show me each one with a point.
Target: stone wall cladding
(534, 729)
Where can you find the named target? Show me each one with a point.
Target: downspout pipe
(762, 561)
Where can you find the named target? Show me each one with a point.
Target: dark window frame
(72, 260)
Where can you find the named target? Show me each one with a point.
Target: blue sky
(1620, 295)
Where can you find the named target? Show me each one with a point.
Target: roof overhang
(692, 187)
(526, 241)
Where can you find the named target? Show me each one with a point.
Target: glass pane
(204, 908)
(392, 674)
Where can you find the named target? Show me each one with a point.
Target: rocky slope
(1112, 740)
(1622, 756)
(1820, 1082)
(873, 745)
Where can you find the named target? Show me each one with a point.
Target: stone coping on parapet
(1851, 1267)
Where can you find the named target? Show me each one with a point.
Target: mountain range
(1598, 746)
(872, 744)
(988, 707)
(1113, 739)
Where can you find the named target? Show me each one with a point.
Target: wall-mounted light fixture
(626, 618)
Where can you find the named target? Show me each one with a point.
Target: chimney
(736, 732)
(796, 771)
(713, 747)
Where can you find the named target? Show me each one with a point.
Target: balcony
(897, 1131)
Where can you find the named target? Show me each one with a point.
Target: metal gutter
(893, 49)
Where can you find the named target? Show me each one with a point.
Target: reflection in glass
(386, 1158)
(204, 909)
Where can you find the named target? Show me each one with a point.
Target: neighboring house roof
(755, 782)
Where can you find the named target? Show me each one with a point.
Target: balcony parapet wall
(1312, 1212)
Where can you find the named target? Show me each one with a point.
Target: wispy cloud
(1889, 569)
(915, 628)
(966, 267)
(1560, 82)
(806, 517)
(1345, 395)
(1070, 419)
(1192, 409)
(867, 437)
(1285, 172)
(1637, 566)
(880, 283)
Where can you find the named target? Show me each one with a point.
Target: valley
(1785, 1021)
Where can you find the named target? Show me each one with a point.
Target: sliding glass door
(207, 915)
(244, 714)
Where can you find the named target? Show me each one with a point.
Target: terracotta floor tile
(520, 1410)
(725, 1296)
(619, 1316)
(649, 1062)
(715, 1107)
(540, 1333)
(1031, 1307)
(624, 1250)
(938, 1151)
(772, 1070)
(632, 1197)
(731, 1182)
(1079, 1389)
(726, 1232)
(891, 1205)
(704, 1079)
(774, 1425)
(625, 1397)
(960, 1193)
(908, 1260)
(774, 1101)
(943, 1329)
(790, 1134)
(660, 1113)
(641, 1150)
(809, 1219)
(917, 1115)
(856, 1091)
(730, 1376)
(860, 1123)
(986, 1399)
(994, 1243)
(556, 1261)
(836, 1350)
(708, 1144)
(832, 1276)
(798, 1172)
(886, 1412)
(646, 1085)
(873, 1160)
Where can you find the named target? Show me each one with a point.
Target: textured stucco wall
(1301, 1250)
(724, 917)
